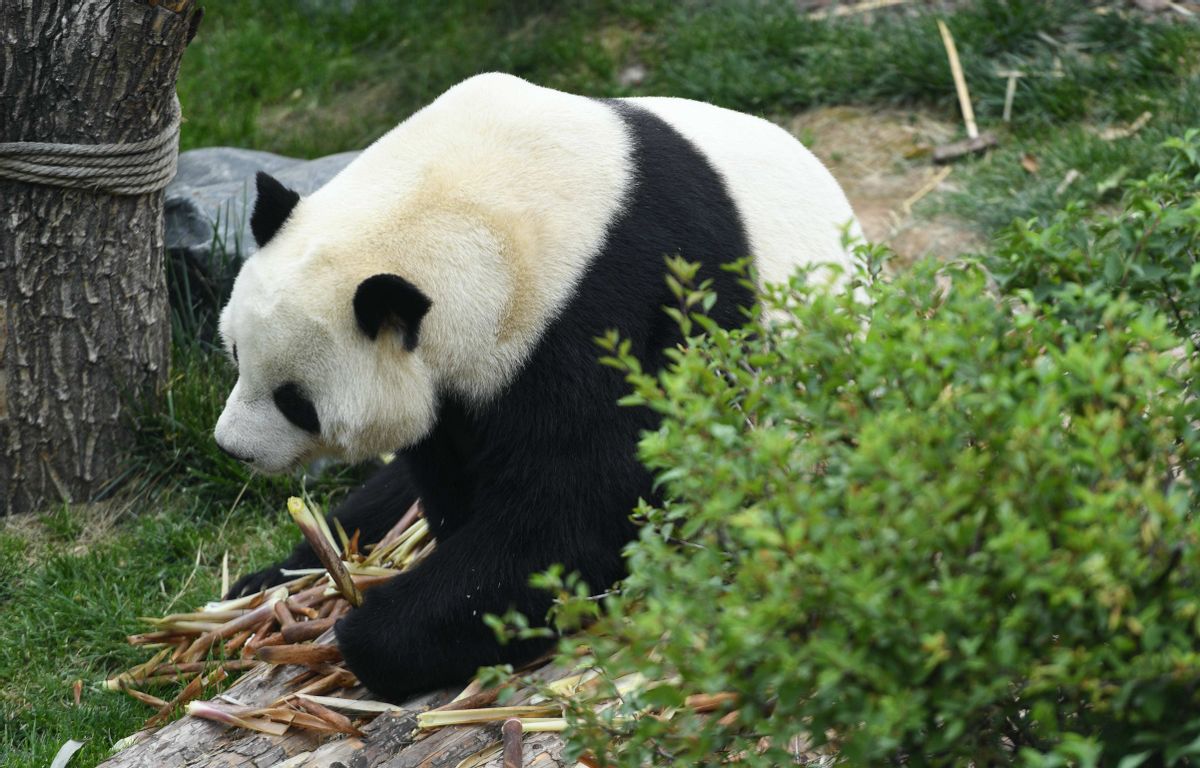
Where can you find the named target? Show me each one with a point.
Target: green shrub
(1148, 249)
(961, 533)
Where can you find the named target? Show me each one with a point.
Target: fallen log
(390, 740)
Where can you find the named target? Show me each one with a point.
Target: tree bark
(84, 329)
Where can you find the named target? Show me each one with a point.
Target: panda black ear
(390, 301)
(272, 206)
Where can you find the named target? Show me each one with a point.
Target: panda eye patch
(297, 408)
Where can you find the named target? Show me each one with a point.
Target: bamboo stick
(511, 734)
(960, 81)
(305, 655)
(301, 631)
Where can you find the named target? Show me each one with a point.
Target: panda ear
(272, 206)
(390, 301)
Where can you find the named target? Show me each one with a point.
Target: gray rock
(208, 203)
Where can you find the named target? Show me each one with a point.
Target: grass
(335, 81)
(69, 598)
(272, 75)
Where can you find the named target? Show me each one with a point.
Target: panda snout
(231, 454)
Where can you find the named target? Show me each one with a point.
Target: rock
(208, 202)
(207, 213)
(632, 75)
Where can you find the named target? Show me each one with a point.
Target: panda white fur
(441, 296)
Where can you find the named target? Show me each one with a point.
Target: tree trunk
(84, 330)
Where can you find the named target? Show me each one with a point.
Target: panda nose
(231, 454)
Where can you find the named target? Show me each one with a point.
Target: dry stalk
(315, 529)
(335, 719)
(302, 631)
(189, 692)
(511, 733)
(304, 655)
(960, 81)
(277, 626)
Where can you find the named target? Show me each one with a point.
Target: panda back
(792, 209)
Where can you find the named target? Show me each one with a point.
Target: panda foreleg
(425, 629)
(372, 509)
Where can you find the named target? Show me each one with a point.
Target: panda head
(326, 343)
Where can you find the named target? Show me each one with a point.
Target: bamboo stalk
(301, 631)
(339, 721)
(353, 705)
(474, 701)
(266, 641)
(707, 702)
(283, 615)
(403, 524)
(305, 655)
(202, 643)
(210, 711)
(189, 692)
(216, 617)
(544, 724)
(339, 678)
(157, 680)
(237, 641)
(439, 719)
(137, 674)
(232, 665)
(511, 734)
(315, 529)
(296, 607)
(181, 648)
(145, 698)
(960, 81)
(150, 638)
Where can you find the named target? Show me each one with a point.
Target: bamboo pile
(283, 625)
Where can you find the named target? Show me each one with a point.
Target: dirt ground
(882, 159)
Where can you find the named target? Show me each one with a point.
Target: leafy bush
(1149, 249)
(934, 529)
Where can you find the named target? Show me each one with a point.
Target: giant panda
(440, 298)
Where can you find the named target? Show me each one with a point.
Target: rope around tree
(134, 168)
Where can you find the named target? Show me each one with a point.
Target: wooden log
(950, 152)
(390, 740)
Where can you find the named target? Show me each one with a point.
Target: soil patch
(882, 159)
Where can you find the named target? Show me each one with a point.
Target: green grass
(76, 579)
(310, 82)
(270, 75)
(70, 596)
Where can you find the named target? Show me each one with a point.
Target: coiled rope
(135, 168)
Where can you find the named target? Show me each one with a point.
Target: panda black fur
(536, 465)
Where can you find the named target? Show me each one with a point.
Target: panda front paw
(402, 640)
(301, 557)
(415, 634)
(376, 644)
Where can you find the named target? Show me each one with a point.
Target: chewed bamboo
(196, 649)
(316, 531)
